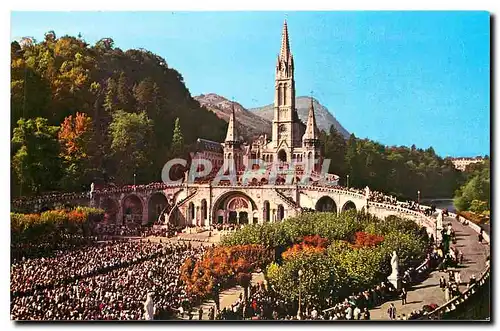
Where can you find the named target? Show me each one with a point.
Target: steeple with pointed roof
(285, 57)
(232, 133)
(311, 133)
(285, 44)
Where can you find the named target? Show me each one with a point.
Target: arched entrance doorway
(282, 155)
(326, 204)
(111, 209)
(234, 208)
(132, 209)
(349, 205)
(156, 204)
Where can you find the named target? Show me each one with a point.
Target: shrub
(363, 239)
(222, 265)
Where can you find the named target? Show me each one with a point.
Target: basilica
(292, 142)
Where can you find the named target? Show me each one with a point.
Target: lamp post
(418, 200)
(347, 181)
(300, 303)
(134, 181)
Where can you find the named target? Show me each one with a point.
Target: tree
(335, 149)
(36, 159)
(131, 143)
(177, 140)
(58, 76)
(123, 93)
(474, 195)
(110, 98)
(351, 157)
(76, 140)
(316, 283)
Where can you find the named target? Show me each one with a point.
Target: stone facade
(205, 205)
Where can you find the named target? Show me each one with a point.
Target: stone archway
(132, 209)
(235, 207)
(326, 204)
(111, 209)
(349, 205)
(156, 204)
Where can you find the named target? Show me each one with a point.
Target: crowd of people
(49, 197)
(109, 231)
(117, 294)
(29, 275)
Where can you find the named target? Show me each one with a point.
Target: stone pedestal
(395, 281)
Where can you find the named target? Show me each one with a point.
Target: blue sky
(400, 78)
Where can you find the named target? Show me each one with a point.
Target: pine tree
(110, 98)
(177, 139)
(351, 156)
(123, 94)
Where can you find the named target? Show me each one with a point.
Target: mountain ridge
(253, 122)
(324, 119)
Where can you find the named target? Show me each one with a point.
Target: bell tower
(285, 127)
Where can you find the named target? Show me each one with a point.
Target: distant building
(461, 163)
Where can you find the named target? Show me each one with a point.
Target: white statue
(367, 192)
(439, 223)
(149, 308)
(394, 265)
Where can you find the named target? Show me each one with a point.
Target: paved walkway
(428, 291)
(227, 297)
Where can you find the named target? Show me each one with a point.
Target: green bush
(342, 268)
(34, 227)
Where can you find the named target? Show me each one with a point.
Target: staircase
(289, 201)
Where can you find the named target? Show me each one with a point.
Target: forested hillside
(475, 194)
(83, 113)
(396, 170)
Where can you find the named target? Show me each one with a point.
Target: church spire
(232, 134)
(311, 128)
(285, 44)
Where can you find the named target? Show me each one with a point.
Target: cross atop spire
(285, 44)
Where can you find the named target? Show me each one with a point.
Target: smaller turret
(311, 136)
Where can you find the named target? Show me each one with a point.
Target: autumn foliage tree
(222, 266)
(75, 138)
(308, 245)
(364, 239)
